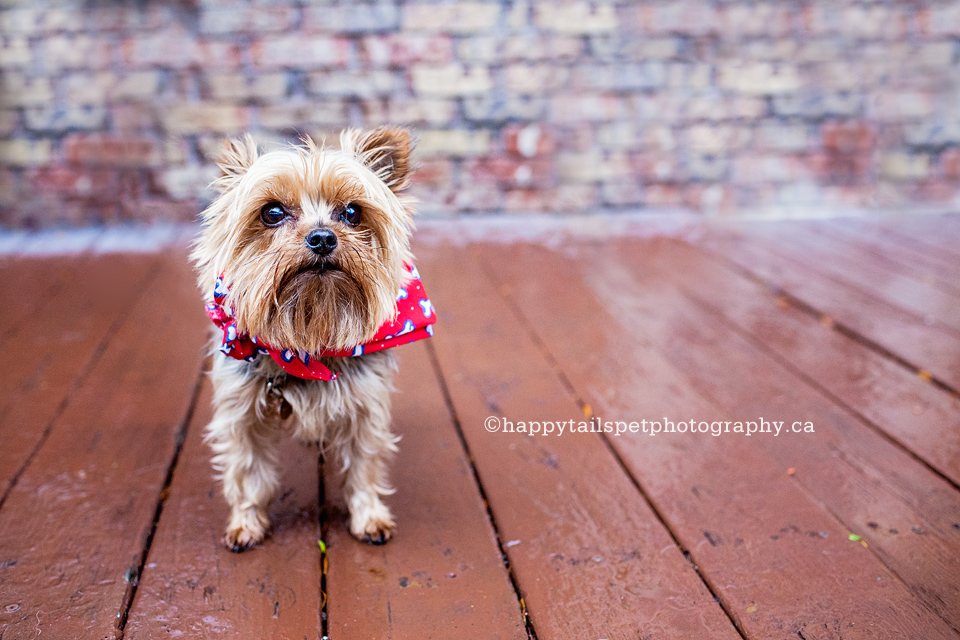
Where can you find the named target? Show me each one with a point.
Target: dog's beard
(311, 304)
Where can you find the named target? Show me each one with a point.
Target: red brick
(950, 164)
(839, 167)
(847, 152)
(528, 141)
(397, 50)
(75, 182)
(511, 172)
(433, 173)
(110, 151)
(847, 137)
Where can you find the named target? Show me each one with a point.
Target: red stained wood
(852, 261)
(193, 587)
(25, 283)
(934, 267)
(441, 575)
(899, 331)
(940, 233)
(70, 324)
(592, 559)
(76, 521)
(633, 329)
(921, 417)
(877, 490)
(764, 550)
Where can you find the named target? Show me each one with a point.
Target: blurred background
(113, 111)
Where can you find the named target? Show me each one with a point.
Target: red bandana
(414, 321)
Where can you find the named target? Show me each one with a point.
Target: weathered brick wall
(111, 110)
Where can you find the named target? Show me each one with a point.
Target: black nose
(321, 241)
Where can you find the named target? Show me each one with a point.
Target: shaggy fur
(283, 293)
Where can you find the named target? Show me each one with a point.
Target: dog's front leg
(245, 456)
(366, 454)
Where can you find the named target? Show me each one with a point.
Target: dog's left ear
(386, 151)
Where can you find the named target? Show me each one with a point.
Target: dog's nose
(321, 241)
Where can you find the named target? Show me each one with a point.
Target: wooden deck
(110, 521)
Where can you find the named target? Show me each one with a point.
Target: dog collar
(414, 321)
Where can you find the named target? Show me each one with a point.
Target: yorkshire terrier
(305, 261)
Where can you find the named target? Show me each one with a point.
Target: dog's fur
(279, 293)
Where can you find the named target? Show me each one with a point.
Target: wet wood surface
(111, 519)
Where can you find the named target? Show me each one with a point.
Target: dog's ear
(385, 150)
(234, 161)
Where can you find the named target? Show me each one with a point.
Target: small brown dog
(304, 252)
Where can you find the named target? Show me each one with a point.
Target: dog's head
(311, 241)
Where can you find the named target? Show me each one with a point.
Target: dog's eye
(351, 214)
(272, 214)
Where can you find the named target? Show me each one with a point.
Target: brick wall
(110, 110)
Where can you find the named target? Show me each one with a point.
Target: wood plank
(25, 283)
(899, 331)
(442, 574)
(48, 353)
(590, 557)
(850, 261)
(921, 417)
(749, 526)
(193, 587)
(76, 522)
(939, 232)
(934, 266)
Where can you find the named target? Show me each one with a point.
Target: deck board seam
(839, 327)
(136, 572)
(458, 428)
(886, 250)
(78, 381)
(838, 280)
(566, 382)
(898, 234)
(324, 529)
(813, 384)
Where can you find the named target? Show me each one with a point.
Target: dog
(304, 259)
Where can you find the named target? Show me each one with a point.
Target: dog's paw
(378, 537)
(373, 525)
(244, 533)
(239, 540)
